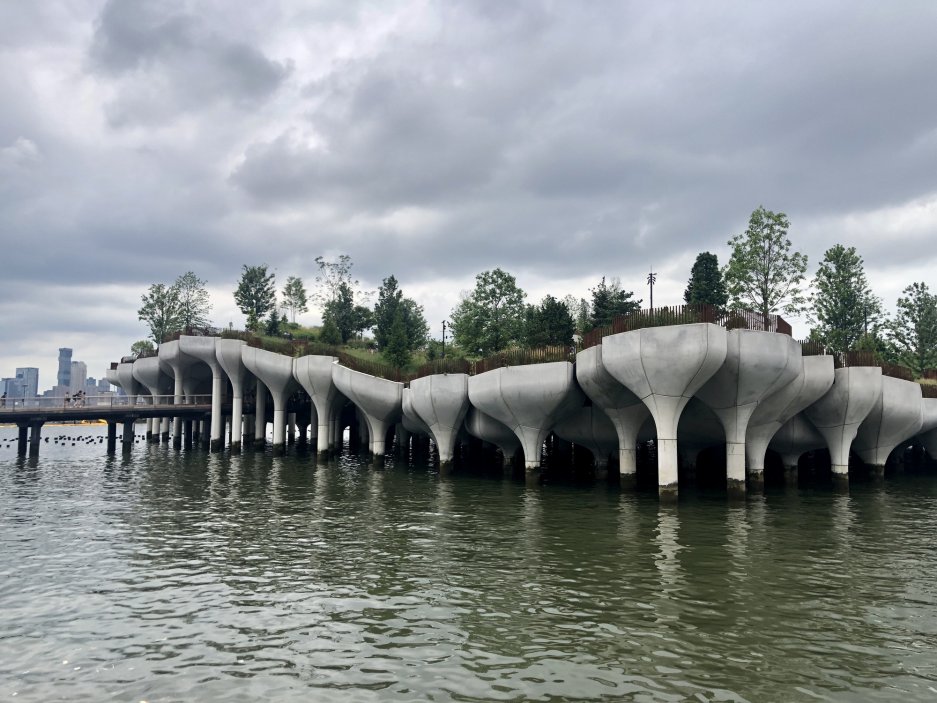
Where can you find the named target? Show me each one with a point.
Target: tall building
(79, 373)
(29, 378)
(65, 368)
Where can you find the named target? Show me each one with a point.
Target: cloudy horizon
(430, 140)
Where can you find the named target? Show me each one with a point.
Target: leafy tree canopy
(763, 274)
(194, 304)
(913, 331)
(609, 301)
(161, 311)
(255, 295)
(491, 317)
(580, 311)
(144, 347)
(295, 298)
(348, 318)
(549, 324)
(706, 286)
(844, 306)
(390, 302)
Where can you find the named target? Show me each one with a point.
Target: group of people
(75, 401)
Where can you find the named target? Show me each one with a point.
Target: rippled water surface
(185, 576)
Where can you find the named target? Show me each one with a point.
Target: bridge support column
(291, 428)
(35, 432)
(248, 430)
(112, 437)
(21, 442)
(164, 430)
(260, 415)
(187, 433)
(237, 419)
(127, 438)
(216, 443)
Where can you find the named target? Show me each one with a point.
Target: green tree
(763, 274)
(256, 294)
(273, 325)
(194, 304)
(329, 333)
(843, 305)
(913, 331)
(397, 347)
(350, 319)
(580, 311)
(142, 348)
(491, 317)
(706, 286)
(609, 301)
(390, 301)
(295, 298)
(549, 324)
(161, 311)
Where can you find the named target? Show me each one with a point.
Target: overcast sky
(560, 141)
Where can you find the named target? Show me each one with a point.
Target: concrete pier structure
(228, 356)
(838, 414)
(203, 349)
(665, 367)
(591, 428)
(529, 400)
(172, 355)
(377, 398)
(314, 374)
(896, 416)
(275, 373)
(487, 429)
(441, 401)
(150, 372)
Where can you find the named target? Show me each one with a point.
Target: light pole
(651, 280)
(444, 323)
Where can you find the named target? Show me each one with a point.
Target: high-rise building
(29, 378)
(79, 373)
(64, 377)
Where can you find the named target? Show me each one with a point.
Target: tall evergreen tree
(390, 300)
(706, 286)
(844, 306)
(349, 318)
(763, 274)
(913, 331)
(255, 294)
(549, 324)
(609, 301)
(397, 346)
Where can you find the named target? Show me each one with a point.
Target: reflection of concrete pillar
(664, 367)
(35, 435)
(112, 437)
(127, 436)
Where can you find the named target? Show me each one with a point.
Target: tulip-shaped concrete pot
(838, 414)
(928, 432)
(228, 355)
(665, 367)
(156, 376)
(203, 349)
(275, 372)
(379, 399)
(896, 416)
(796, 436)
(591, 428)
(757, 364)
(624, 409)
(529, 400)
(487, 429)
(314, 374)
(813, 381)
(179, 362)
(441, 400)
(410, 418)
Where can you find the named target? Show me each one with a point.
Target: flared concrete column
(276, 372)
(487, 429)
(441, 401)
(228, 356)
(379, 399)
(171, 354)
(155, 376)
(665, 367)
(204, 349)
(410, 418)
(624, 409)
(757, 365)
(591, 428)
(896, 417)
(128, 382)
(35, 436)
(260, 414)
(314, 374)
(838, 414)
(529, 400)
(812, 383)
(127, 436)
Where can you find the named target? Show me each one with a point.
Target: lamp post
(444, 323)
(651, 280)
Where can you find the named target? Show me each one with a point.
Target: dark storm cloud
(168, 55)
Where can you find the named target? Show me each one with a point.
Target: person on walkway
(3, 400)
(68, 400)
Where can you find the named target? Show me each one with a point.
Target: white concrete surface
(896, 417)
(379, 399)
(228, 355)
(314, 374)
(442, 401)
(275, 371)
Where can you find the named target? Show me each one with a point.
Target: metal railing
(686, 315)
(92, 402)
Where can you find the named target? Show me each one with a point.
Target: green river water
(184, 576)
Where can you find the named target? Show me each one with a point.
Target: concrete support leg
(164, 430)
(149, 429)
(735, 467)
(260, 417)
(279, 430)
(112, 437)
(601, 470)
(126, 440)
(755, 480)
(667, 463)
(237, 418)
(216, 443)
(178, 399)
(21, 444)
(187, 434)
(627, 468)
(791, 475)
(877, 471)
(302, 429)
(378, 431)
(35, 435)
(248, 434)
(291, 428)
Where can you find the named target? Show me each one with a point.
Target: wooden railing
(373, 368)
(524, 357)
(686, 315)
